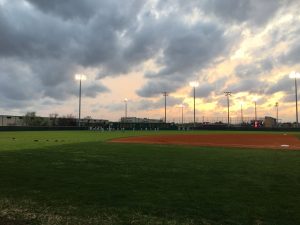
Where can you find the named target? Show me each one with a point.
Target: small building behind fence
(270, 122)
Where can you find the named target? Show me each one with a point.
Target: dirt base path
(270, 141)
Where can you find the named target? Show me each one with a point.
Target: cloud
(44, 43)
(94, 89)
(205, 90)
(288, 98)
(116, 38)
(13, 86)
(114, 10)
(146, 104)
(46, 38)
(247, 70)
(222, 102)
(253, 86)
(23, 83)
(156, 87)
(254, 12)
(68, 9)
(186, 51)
(285, 84)
(254, 69)
(250, 78)
(292, 55)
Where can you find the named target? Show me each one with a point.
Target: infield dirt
(269, 141)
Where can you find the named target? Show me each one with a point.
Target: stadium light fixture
(80, 77)
(295, 75)
(194, 84)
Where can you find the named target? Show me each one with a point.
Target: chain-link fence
(214, 120)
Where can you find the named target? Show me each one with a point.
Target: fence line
(207, 119)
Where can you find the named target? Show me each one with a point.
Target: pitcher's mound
(272, 141)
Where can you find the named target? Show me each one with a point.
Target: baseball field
(149, 177)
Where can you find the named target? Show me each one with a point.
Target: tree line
(31, 119)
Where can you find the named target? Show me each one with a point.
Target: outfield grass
(79, 178)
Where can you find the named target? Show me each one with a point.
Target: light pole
(242, 118)
(79, 77)
(194, 84)
(165, 94)
(181, 106)
(125, 101)
(276, 105)
(228, 94)
(255, 112)
(294, 75)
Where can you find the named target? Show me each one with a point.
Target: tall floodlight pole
(276, 105)
(228, 94)
(242, 117)
(125, 101)
(79, 77)
(165, 94)
(294, 75)
(181, 106)
(255, 112)
(194, 84)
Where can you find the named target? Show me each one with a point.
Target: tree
(53, 119)
(68, 120)
(30, 119)
(87, 120)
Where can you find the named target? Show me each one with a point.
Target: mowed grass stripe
(103, 183)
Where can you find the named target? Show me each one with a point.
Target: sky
(137, 49)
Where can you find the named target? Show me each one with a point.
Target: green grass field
(79, 178)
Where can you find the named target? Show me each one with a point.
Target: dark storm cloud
(152, 105)
(68, 9)
(156, 87)
(205, 88)
(26, 33)
(247, 70)
(118, 13)
(292, 56)
(51, 47)
(254, 69)
(16, 79)
(94, 89)
(253, 86)
(256, 12)
(146, 104)
(285, 84)
(44, 43)
(186, 50)
(249, 77)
